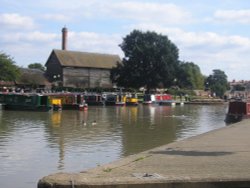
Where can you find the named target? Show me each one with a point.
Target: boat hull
(25, 102)
(167, 103)
(70, 106)
(27, 108)
(147, 102)
(237, 111)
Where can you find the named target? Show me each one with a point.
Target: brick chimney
(64, 38)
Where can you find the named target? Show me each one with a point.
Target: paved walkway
(220, 158)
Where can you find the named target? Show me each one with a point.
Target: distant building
(239, 89)
(80, 69)
(31, 79)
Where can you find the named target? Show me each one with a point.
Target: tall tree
(190, 76)
(8, 70)
(36, 66)
(217, 82)
(150, 61)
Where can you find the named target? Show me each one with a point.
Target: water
(34, 144)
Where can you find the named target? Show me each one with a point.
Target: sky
(214, 34)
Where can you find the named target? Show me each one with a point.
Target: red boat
(237, 110)
(164, 99)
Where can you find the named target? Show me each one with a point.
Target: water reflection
(146, 128)
(34, 144)
(200, 119)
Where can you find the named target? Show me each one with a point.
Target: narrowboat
(69, 101)
(148, 99)
(25, 101)
(164, 99)
(132, 100)
(110, 99)
(237, 111)
(121, 100)
(140, 97)
(115, 99)
(93, 99)
(56, 104)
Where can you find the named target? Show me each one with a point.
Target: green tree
(150, 61)
(8, 70)
(36, 66)
(217, 82)
(190, 76)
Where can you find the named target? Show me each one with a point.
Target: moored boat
(56, 104)
(164, 99)
(115, 99)
(132, 100)
(237, 111)
(148, 99)
(93, 99)
(120, 100)
(110, 99)
(140, 97)
(69, 101)
(25, 101)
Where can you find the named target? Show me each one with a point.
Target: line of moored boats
(237, 110)
(78, 101)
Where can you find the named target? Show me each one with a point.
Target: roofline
(63, 66)
(96, 53)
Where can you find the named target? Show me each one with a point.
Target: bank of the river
(219, 158)
(207, 101)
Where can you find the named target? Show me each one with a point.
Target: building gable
(85, 59)
(80, 69)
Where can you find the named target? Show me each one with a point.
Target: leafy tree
(190, 76)
(36, 66)
(8, 70)
(217, 82)
(150, 61)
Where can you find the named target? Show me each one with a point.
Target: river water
(35, 144)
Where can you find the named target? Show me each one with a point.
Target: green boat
(29, 102)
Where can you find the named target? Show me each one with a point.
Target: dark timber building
(80, 69)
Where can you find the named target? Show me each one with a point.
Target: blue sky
(214, 34)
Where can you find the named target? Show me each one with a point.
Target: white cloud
(29, 47)
(124, 10)
(16, 21)
(56, 17)
(148, 12)
(232, 16)
(29, 37)
(94, 42)
(193, 39)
